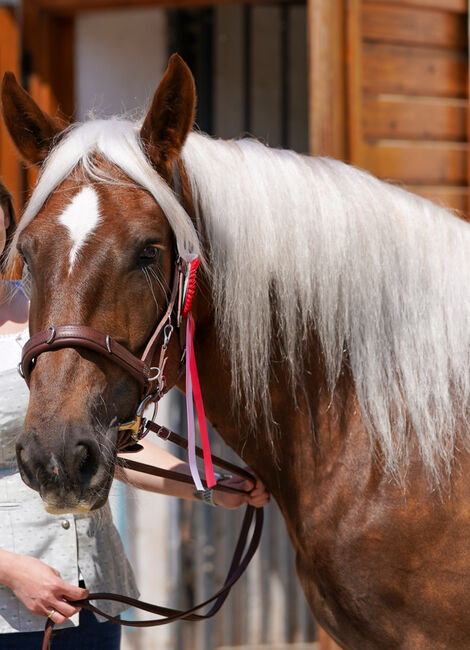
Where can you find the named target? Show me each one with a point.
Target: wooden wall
(407, 79)
(9, 61)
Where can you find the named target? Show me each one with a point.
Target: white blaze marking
(80, 217)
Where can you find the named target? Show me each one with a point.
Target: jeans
(90, 634)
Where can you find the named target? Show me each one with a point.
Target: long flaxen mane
(379, 274)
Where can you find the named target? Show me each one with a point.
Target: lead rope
(238, 565)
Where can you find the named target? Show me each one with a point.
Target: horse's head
(99, 238)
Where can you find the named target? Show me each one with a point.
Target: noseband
(150, 378)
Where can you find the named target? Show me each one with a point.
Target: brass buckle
(136, 425)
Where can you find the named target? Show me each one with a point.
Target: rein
(242, 555)
(151, 380)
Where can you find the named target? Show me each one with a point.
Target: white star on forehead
(80, 217)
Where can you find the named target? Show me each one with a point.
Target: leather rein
(152, 384)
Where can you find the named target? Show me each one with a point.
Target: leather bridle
(151, 380)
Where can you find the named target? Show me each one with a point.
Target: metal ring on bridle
(52, 336)
(145, 428)
(143, 404)
(157, 374)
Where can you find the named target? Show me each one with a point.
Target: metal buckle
(167, 332)
(52, 336)
(136, 426)
(133, 427)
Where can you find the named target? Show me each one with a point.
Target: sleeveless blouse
(76, 545)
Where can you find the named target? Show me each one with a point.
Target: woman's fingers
(64, 608)
(56, 617)
(257, 495)
(72, 592)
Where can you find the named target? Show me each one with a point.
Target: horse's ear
(32, 130)
(171, 115)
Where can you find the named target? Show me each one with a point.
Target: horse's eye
(148, 255)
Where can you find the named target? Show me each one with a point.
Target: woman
(45, 560)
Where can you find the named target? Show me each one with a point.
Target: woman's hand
(258, 496)
(40, 587)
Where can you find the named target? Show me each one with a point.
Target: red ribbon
(208, 467)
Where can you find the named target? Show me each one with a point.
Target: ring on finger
(51, 613)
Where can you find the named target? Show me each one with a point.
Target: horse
(332, 336)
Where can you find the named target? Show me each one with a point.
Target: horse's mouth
(62, 501)
(70, 504)
(78, 509)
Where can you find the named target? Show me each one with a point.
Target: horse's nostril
(86, 461)
(27, 473)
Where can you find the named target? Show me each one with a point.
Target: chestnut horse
(332, 339)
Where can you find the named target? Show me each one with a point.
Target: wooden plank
(395, 24)
(422, 163)
(414, 118)
(399, 69)
(326, 77)
(455, 198)
(460, 6)
(354, 82)
(10, 170)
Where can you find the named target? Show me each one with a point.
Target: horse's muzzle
(71, 471)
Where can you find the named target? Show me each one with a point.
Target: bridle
(151, 380)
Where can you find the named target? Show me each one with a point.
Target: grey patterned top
(73, 544)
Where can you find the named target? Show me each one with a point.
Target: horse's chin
(79, 509)
(72, 505)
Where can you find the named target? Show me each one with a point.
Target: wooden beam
(414, 118)
(418, 163)
(415, 26)
(325, 20)
(460, 6)
(414, 70)
(10, 169)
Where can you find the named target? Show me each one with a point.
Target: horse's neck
(309, 430)
(308, 438)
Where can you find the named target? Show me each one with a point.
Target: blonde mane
(382, 276)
